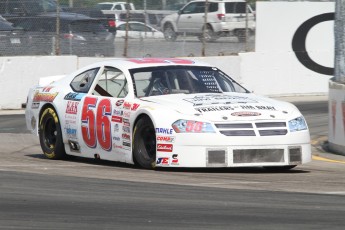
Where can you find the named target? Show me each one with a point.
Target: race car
(157, 112)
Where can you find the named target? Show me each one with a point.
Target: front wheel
(50, 135)
(170, 34)
(208, 35)
(144, 144)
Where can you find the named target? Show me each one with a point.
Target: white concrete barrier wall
(273, 70)
(336, 118)
(278, 74)
(18, 74)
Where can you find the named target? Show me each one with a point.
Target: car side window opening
(213, 7)
(82, 82)
(139, 27)
(199, 7)
(190, 9)
(111, 83)
(168, 80)
(235, 7)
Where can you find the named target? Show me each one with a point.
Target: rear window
(235, 7)
(104, 6)
(5, 27)
(213, 7)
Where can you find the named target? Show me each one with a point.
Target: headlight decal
(298, 124)
(189, 126)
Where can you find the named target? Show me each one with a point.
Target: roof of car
(111, 3)
(132, 63)
(219, 1)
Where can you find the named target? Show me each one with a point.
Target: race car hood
(227, 106)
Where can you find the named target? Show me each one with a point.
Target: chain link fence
(39, 27)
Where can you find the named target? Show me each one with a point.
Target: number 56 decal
(96, 127)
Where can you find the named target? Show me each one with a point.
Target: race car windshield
(182, 79)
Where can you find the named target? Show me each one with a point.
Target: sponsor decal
(74, 96)
(126, 136)
(72, 107)
(127, 105)
(164, 130)
(162, 161)
(246, 114)
(126, 114)
(214, 108)
(116, 119)
(70, 122)
(116, 128)
(174, 160)
(71, 116)
(119, 102)
(135, 106)
(117, 112)
(47, 97)
(117, 146)
(126, 122)
(265, 107)
(71, 133)
(47, 89)
(126, 129)
(165, 138)
(164, 147)
(126, 144)
(212, 99)
(35, 105)
(116, 138)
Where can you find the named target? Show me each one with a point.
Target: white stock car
(171, 112)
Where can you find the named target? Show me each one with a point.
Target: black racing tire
(241, 35)
(209, 36)
(144, 144)
(279, 168)
(169, 33)
(50, 135)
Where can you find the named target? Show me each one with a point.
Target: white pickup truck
(115, 6)
(224, 18)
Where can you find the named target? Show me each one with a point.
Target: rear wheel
(169, 33)
(144, 144)
(50, 135)
(241, 35)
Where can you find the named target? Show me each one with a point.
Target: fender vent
(216, 158)
(295, 155)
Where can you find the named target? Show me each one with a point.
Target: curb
(323, 153)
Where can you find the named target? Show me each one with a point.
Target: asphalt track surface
(37, 193)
